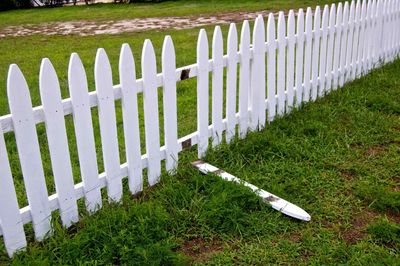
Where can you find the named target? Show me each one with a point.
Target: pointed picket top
(281, 63)
(169, 105)
(271, 70)
(58, 142)
(78, 90)
(217, 85)
(202, 92)
(29, 151)
(231, 80)
(299, 57)
(291, 60)
(244, 80)
(127, 77)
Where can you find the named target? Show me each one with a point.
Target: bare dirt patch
(86, 28)
(358, 227)
(375, 150)
(201, 250)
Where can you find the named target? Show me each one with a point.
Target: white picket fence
(313, 56)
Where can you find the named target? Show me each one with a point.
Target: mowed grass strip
(107, 12)
(338, 158)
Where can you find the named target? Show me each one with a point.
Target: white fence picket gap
(329, 54)
(290, 60)
(322, 57)
(217, 85)
(257, 91)
(360, 52)
(108, 125)
(130, 115)
(336, 55)
(10, 217)
(271, 69)
(150, 102)
(169, 104)
(29, 152)
(244, 80)
(356, 37)
(231, 82)
(202, 93)
(343, 45)
(316, 53)
(299, 57)
(281, 86)
(349, 48)
(307, 56)
(58, 143)
(78, 89)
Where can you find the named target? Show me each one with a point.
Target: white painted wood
(343, 45)
(349, 48)
(244, 80)
(217, 85)
(127, 76)
(150, 102)
(330, 50)
(360, 52)
(281, 86)
(169, 105)
(29, 152)
(371, 48)
(108, 125)
(10, 217)
(202, 92)
(290, 60)
(316, 53)
(271, 74)
(336, 55)
(322, 57)
(299, 57)
(231, 82)
(356, 40)
(58, 143)
(277, 203)
(257, 98)
(308, 56)
(367, 39)
(78, 90)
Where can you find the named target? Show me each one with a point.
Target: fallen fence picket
(288, 61)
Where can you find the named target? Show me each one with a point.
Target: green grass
(338, 158)
(102, 12)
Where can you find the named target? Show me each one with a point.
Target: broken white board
(277, 203)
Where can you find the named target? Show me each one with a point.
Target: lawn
(338, 158)
(102, 12)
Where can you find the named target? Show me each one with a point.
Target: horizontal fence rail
(289, 60)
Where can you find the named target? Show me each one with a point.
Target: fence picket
(343, 45)
(169, 104)
(360, 52)
(58, 143)
(299, 57)
(316, 53)
(322, 58)
(244, 80)
(29, 152)
(290, 60)
(281, 86)
(307, 56)
(10, 217)
(329, 54)
(336, 55)
(231, 80)
(356, 40)
(257, 91)
(371, 47)
(202, 92)
(217, 85)
(271, 68)
(130, 115)
(150, 102)
(78, 89)
(349, 48)
(108, 125)
(367, 38)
